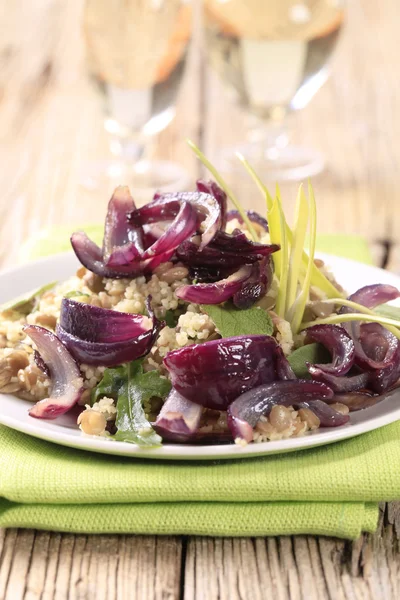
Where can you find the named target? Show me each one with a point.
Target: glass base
(144, 177)
(290, 163)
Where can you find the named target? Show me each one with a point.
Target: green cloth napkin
(331, 490)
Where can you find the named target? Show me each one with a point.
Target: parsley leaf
(231, 321)
(137, 388)
(131, 388)
(110, 384)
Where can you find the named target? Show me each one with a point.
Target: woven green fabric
(332, 490)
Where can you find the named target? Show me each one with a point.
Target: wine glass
(136, 52)
(272, 55)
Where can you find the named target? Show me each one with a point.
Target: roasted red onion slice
(283, 369)
(254, 217)
(214, 373)
(246, 410)
(150, 264)
(256, 285)
(328, 416)
(158, 210)
(122, 243)
(178, 419)
(90, 256)
(212, 188)
(67, 383)
(95, 324)
(166, 206)
(358, 400)
(381, 380)
(237, 241)
(108, 353)
(340, 383)
(39, 362)
(188, 252)
(183, 226)
(375, 346)
(217, 292)
(340, 345)
(372, 296)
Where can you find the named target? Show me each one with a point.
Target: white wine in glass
(273, 56)
(136, 52)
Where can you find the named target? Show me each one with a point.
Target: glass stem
(271, 137)
(127, 150)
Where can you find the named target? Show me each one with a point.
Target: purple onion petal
(90, 256)
(358, 400)
(328, 416)
(39, 362)
(111, 354)
(158, 210)
(376, 347)
(248, 408)
(206, 206)
(189, 253)
(217, 292)
(371, 338)
(178, 419)
(339, 383)
(166, 206)
(122, 242)
(212, 188)
(338, 342)
(372, 296)
(380, 380)
(283, 369)
(184, 225)
(67, 383)
(150, 264)
(214, 373)
(95, 324)
(256, 286)
(254, 217)
(239, 242)
(108, 354)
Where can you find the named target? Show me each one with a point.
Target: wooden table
(50, 124)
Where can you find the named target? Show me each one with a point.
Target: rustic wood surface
(50, 124)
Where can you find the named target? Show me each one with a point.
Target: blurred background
(97, 93)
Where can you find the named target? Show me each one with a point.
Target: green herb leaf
(313, 353)
(170, 318)
(25, 303)
(231, 321)
(110, 384)
(131, 420)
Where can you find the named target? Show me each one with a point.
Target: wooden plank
(303, 567)
(51, 566)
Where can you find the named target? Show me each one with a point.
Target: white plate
(14, 412)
